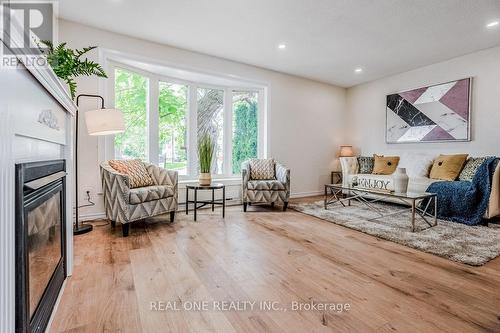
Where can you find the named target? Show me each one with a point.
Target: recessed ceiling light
(492, 24)
(282, 46)
(358, 70)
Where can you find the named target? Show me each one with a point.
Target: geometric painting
(430, 114)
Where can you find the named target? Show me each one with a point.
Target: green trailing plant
(68, 63)
(205, 153)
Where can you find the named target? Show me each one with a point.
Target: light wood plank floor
(268, 255)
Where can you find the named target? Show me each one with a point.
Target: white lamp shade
(104, 121)
(346, 151)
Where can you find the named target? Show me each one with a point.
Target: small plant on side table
(205, 156)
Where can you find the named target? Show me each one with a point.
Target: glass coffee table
(343, 195)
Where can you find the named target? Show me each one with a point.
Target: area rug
(472, 245)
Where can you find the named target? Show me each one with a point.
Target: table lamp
(346, 151)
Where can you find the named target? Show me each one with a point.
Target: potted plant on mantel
(68, 63)
(205, 156)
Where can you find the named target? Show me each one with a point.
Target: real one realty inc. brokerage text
(214, 305)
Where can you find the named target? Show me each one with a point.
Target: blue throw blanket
(463, 201)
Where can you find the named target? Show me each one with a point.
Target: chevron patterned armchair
(265, 181)
(124, 204)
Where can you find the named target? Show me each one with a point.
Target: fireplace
(40, 242)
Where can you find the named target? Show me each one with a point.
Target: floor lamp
(99, 122)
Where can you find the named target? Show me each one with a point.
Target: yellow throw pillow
(448, 167)
(135, 170)
(385, 165)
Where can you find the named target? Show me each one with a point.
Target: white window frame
(152, 145)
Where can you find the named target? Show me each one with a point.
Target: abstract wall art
(430, 114)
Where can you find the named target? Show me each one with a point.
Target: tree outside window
(245, 110)
(172, 108)
(211, 122)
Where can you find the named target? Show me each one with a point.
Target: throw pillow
(448, 167)
(385, 165)
(470, 168)
(365, 164)
(135, 170)
(262, 169)
(417, 164)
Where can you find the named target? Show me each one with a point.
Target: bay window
(165, 117)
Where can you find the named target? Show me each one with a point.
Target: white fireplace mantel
(36, 123)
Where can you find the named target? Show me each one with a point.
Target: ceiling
(325, 39)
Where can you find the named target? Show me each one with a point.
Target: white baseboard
(102, 215)
(306, 194)
(233, 202)
(92, 216)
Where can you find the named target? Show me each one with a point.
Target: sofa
(350, 171)
(275, 188)
(124, 204)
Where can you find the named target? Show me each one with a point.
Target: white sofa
(350, 170)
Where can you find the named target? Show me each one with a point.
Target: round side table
(213, 201)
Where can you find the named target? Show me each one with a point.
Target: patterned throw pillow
(262, 169)
(470, 168)
(135, 170)
(365, 164)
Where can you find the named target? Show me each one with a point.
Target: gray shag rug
(472, 245)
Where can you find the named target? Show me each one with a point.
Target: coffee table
(213, 201)
(340, 194)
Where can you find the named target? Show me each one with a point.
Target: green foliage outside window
(172, 124)
(244, 132)
(130, 98)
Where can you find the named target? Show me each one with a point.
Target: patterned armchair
(124, 204)
(275, 189)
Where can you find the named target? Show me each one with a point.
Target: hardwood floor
(268, 255)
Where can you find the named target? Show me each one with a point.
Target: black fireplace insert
(40, 242)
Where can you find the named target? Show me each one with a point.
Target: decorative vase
(400, 179)
(205, 179)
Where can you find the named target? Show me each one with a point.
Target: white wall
(366, 106)
(306, 118)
